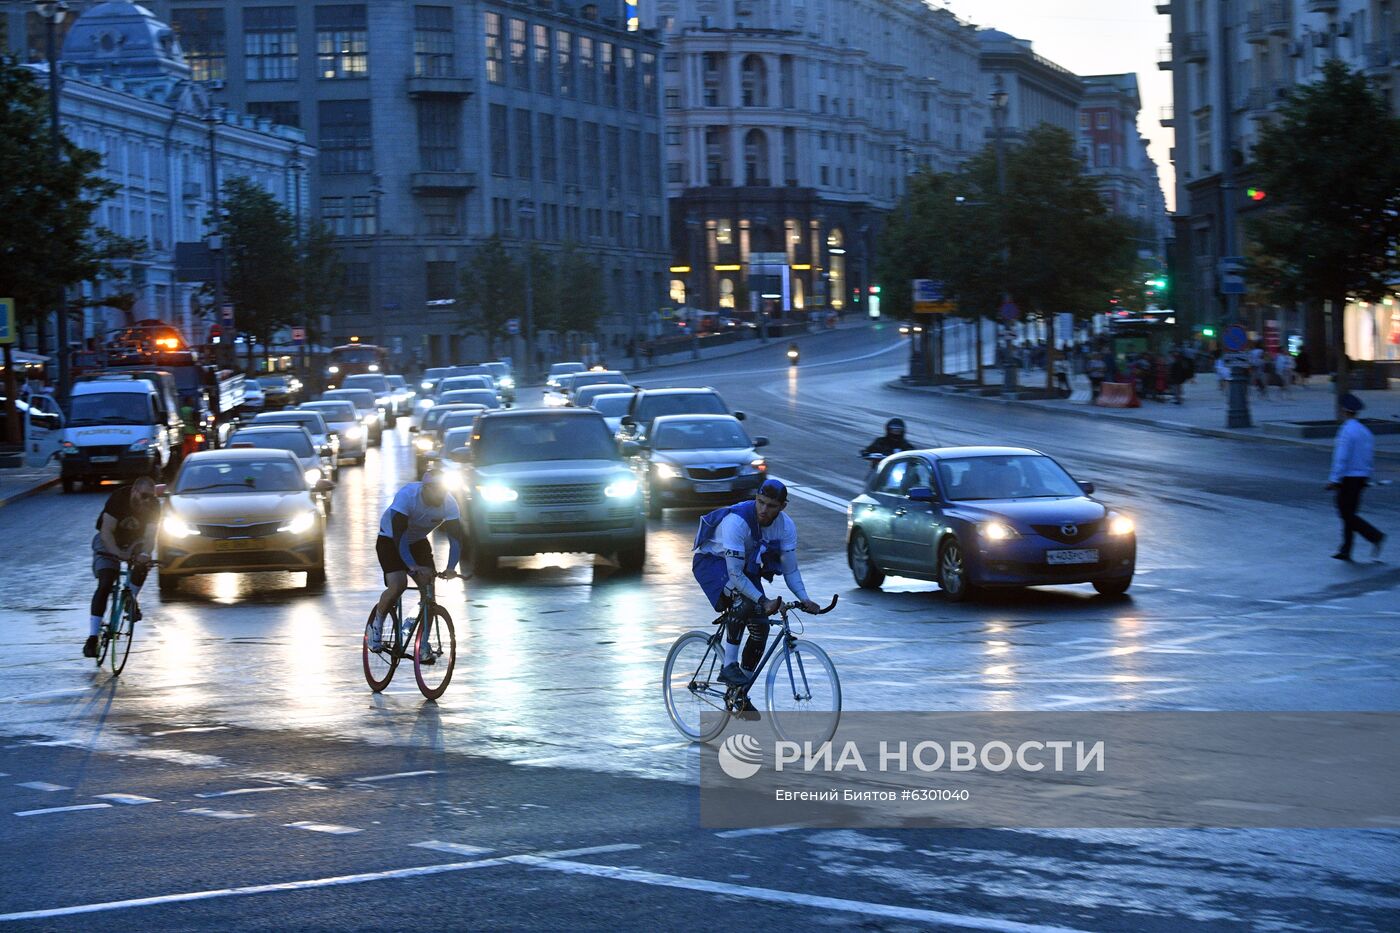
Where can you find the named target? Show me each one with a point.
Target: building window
(442, 280)
(1101, 120)
(495, 54)
(570, 153)
(543, 73)
(756, 158)
(726, 292)
(672, 62)
(280, 112)
(1104, 158)
(432, 41)
(673, 99)
(754, 83)
(519, 61)
(587, 77)
(500, 140)
(613, 140)
(673, 135)
(270, 43)
(675, 172)
(345, 136)
(1083, 120)
(549, 166)
(609, 73)
(333, 216)
(201, 33)
(524, 147)
(724, 232)
(564, 62)
(651, 164)
(342, 42)
(438, 133)
(650, 84)
(628, 74)
(678, 291)
(355, 286)
(363, 222)
(442, 216)
(591, 150)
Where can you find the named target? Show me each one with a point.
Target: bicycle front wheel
(120, 643)
(691, 685)
(804, 694)
(435, 653)
(380, 665)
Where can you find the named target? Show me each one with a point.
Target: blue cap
(773, 489)
(1351, 403)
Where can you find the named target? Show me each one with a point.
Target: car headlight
(312, 477)
(141, 446)
(423, 443)
(425, 384)
(332, 369)
(507, 382)
(495, 492)
(997, 531)
(622, 488)
(374, 367)
(427, 403)
(370, 418)
(176, 527)
(451, 480)
(666, 471)
(758, 465)
(300, 523)
(354, 434)
(1121, 525)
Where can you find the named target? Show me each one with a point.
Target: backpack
(765, 559)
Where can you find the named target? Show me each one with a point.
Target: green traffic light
(1207, 331)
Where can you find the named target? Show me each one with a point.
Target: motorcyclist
(793, 353)
(892, 442)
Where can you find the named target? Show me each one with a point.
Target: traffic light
(1158, 282)
(1256, 194)
(874, 289)
(1207, 331)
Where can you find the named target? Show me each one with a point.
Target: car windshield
(596, 379)
(112, 408)
(611, 406)
(434, 416)
(543, 437)
(272, 382)
(362, 399)
(699, 435)
(464, 382)
(1014, 476)
(470, 397)
(310, 421)
(372, 383)
(498, 369)
(240, 475)
(457, 437)
(366, 354)
(436, 372)
(295, 441)
(397, 382)
(694, 403)
(456, 419)
(335, 411)
(558, 369)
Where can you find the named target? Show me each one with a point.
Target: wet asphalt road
(244, 748)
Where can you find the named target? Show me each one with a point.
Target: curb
(1225, 433)
(30, 491)
(748, 346)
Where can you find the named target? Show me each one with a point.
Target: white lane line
(792, 898)
(331, 828)
(1244, 805)
(44, 786)
(80, 806)
(756, 831)
(829, 502)
(391, 777)
(191, 729)
(276, 888)
(130, 800)
(456, 848)
(239, 792)
(591, 850)
(218, 814)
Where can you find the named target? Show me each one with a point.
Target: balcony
(1323, 6)
(442, 181)
(1164, 59)
(1165, 9)
(440, 86)
(1254, 27)
(1167, 116)
(1193, 47)
(1277, 21)
(1264, 98)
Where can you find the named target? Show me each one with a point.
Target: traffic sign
(513, 326)
(226, 316)
(1231, 272)
(7, 320)
(298, 335)
(1234, 338)
(931, 297)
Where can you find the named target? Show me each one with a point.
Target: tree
(264, 280)
(1332, 174)
(321, 279)
(493, 290)
(584, 297)
(48, 240)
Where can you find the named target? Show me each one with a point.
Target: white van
(118, 428)
(41, 420)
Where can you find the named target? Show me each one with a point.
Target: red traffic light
(1256, 194)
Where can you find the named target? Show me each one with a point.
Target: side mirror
(413, 429)
(1087, 487)
(921, 494)
(760, 441)
(739, 416)
(628, 421)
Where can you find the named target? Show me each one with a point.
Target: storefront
(1373, 330)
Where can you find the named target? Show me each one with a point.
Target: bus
(352, 358)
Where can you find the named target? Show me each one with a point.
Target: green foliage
(583, 296)
(48, 239)
(321, 278)
(262, 277)
(493, 290)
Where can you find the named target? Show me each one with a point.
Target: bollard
(1238, 414)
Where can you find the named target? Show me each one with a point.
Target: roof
(674, 390)
(663, 419)
(238, 453)
(103, 386)
(499, 413)
(950, 453)
(122, 38)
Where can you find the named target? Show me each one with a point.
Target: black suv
(650, 404)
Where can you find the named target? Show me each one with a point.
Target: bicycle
(692, 687)
(119, 629)
(431, 668)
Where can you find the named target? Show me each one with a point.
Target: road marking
(80, 806)
(1244, 805)
(591, 850)
(44, 786)
(191, 729)
(819, 498)
(130, 800)
(391, 777)
(218, 814)
(239, 792)
(756, 831)
(331, 828)
(795, 899)
(456, 848)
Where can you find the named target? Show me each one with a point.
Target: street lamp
(634, 227)
(526, 210)
(376, 192)
(295, 167)
(1000, 98)
(53, 12)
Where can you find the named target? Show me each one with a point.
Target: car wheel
(166, 583)
(392, 420)
(633, 557)
(1113, 586)
(316, 577)
(952, 572)
(862, 562)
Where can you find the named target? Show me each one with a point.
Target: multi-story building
(441, 124)
(127, 94)
(1115, 154)
(1038, 90)
(1231, 63)
(790, 130)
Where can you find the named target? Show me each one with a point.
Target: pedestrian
(1283, 371)
(1222, 371)
(1258, 370)
(1179, 375)
(1352, 458)
(1098, 371)
(1304, 366)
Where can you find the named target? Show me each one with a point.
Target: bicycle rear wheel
(108, 626)
(380, 665)
(120, 643)
(433, 668)
(691, 686)
(804, 694)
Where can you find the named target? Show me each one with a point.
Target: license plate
(102, 459)
(238, 544)
(1088, 555)
(563, 517)
(720, 486)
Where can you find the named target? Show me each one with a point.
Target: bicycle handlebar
(797, 604)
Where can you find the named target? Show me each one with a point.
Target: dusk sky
(1094, 37)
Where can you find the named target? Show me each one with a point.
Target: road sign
(298, 335)
(1008, 311)
(513, 326)
(931, 297)
(1231, 272)
(7, 320)
(226, 316)
(1234, 338)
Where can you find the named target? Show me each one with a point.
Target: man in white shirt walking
(1352, 458)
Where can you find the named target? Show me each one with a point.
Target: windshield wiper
(247, 484)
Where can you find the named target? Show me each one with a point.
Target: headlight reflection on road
(310, 680)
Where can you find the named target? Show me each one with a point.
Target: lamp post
(295, 167)
(228, 332)
(1000, 99)
(53, 12)
(633, 220)
(376, 192)
(526, 210)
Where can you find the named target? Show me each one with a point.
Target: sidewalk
(1204, 409)
(21, 482)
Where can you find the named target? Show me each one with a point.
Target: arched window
(678, 291)
(726, 292)
(753, 80)
(756, 158)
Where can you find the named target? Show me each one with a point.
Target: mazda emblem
(1069, 529)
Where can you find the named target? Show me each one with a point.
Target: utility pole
(53, 12)
(228, 329)
(527, 230)
(1238, 414)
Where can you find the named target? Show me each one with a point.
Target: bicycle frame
(738, 692)
(425, 608)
